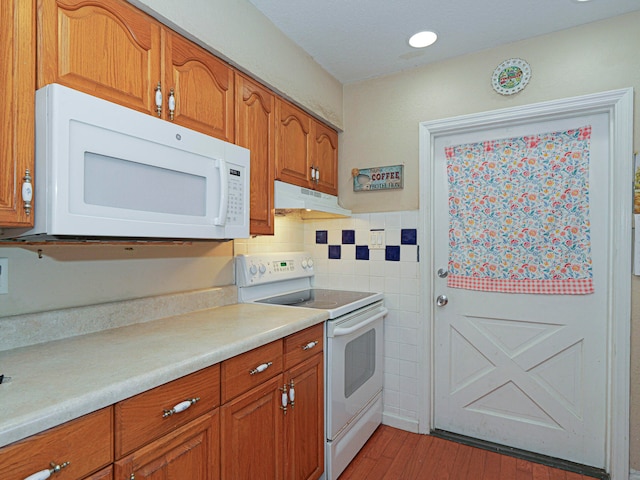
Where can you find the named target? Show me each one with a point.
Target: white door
(525, 370)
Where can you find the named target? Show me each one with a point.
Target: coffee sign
(377, 178)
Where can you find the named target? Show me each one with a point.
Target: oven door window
(360, 361)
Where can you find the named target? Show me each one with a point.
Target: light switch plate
(376, 239)
(4, 276)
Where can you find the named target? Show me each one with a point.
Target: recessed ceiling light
(423, 39)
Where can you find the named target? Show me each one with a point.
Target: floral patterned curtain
(519, 214)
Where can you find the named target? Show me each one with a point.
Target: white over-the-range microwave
(104, 170)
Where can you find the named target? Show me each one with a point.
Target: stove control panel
(260, 268)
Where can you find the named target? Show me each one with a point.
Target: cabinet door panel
(203, 88)
(304, 425)
(255, 130)
(17, 77)
(110, 50)
(252, 431)
(293, 146)
(86, 443)
(325, 158)
(189, 452)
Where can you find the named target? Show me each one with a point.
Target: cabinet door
(17, 77)
(255, 130)
(105, 474)
(203, 88)
(325, 158)
(189, 452)
(108, 49)
(293, 148)
(304, 423)
(252, 431)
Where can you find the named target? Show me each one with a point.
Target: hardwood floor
(392, 454)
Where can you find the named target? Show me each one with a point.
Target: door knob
(442, 273)
(442, 300)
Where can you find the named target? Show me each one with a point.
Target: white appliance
(104, 170)
(354, 345)
(310, 203)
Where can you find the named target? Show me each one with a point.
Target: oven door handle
(340, 331)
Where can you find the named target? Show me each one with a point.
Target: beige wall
(238, 32)
(382, 115)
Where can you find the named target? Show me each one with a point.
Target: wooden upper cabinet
(17, 76)
(114, 51)
(203, 88)
(256, 130)
(107, 49)
(305, 148)
(325, 158)
(293, 147)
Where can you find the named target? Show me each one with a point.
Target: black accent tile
(348, 237)
(322, 236)
(362, 252)
(409, 236)
(335, 252)
(392, 253)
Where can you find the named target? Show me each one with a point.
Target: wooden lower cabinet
(82, 446)
(252, 434)
(304, 422)
(191, 451)
(260, 432)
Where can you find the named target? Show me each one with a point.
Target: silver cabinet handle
(442, 273)
(46, 473)
(181, 407)
(158, 99)
(27, 191)
(442, 300)
(260, 368)
(172, 104)
(310, 345)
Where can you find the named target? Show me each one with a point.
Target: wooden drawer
(145, 417)
(237, 376)
(303, 345)
(86, 443)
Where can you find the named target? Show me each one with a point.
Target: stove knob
(262, 268)
(304, 263)
(253, 269)
(310, 263)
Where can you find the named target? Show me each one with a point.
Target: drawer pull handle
(260, 368)
(181, 407)
(44, 474)
(292, 394)
(310, 345)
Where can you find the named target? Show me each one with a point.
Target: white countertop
(57, 381)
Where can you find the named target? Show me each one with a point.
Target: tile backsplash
(343, 260)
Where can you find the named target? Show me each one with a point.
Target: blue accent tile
(362, 252)
(409, 236)
(392, 253)
(348, 237)
(335, 251)
(322, 236)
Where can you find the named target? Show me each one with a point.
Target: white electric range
(354, 345)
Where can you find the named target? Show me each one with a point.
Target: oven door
(354, 365)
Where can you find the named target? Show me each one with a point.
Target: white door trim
(619, 105)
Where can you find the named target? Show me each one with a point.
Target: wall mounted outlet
(4, 275)
(376, 239)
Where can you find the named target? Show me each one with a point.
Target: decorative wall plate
(511, 76)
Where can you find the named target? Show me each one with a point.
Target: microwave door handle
(220, 220)
(340, 331)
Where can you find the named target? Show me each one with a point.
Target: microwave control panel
(235, 209)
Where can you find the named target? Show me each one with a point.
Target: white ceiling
(356, 40)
